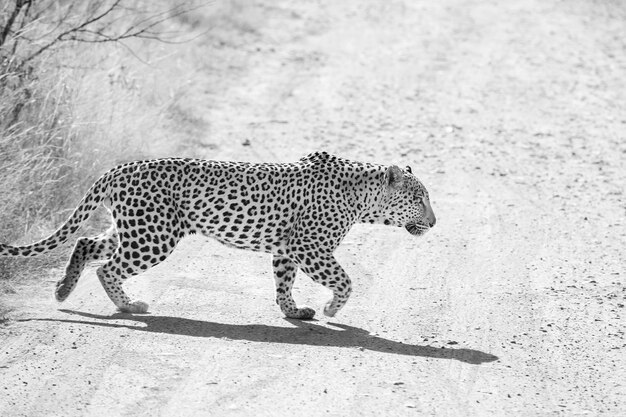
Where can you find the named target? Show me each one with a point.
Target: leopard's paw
(137, 307)
(305, 313)
(330, 309)
(62, 291)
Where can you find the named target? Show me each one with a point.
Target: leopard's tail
(96, 194)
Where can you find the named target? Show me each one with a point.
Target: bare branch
(95, 18)
(99, 26)
(62, 35)
(146, 32)
(19, 4)
(16, 36)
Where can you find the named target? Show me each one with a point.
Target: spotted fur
(299, 212)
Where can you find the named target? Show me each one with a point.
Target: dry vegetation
(83, 86)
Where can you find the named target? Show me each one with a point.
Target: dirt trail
(512, 113)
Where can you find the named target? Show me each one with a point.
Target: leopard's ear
(394, 178)
(409, 170)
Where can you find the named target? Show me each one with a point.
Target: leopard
(298, 212)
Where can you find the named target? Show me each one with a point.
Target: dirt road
(512, 113)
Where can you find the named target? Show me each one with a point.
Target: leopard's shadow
(305, 333)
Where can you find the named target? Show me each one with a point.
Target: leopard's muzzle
(417, 229)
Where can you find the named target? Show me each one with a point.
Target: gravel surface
(512, 113)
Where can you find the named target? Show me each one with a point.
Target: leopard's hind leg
(87, 249)
(132, 258)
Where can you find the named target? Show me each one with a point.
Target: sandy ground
(512, 113)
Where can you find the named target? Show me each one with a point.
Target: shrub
(69, 114)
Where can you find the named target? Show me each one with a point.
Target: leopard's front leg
(325, 270)
(284, 275)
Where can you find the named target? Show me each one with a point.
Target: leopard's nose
(432, 220)
(430, 214)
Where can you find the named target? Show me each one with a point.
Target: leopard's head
(405, 202)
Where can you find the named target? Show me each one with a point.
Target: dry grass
(80, 111)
